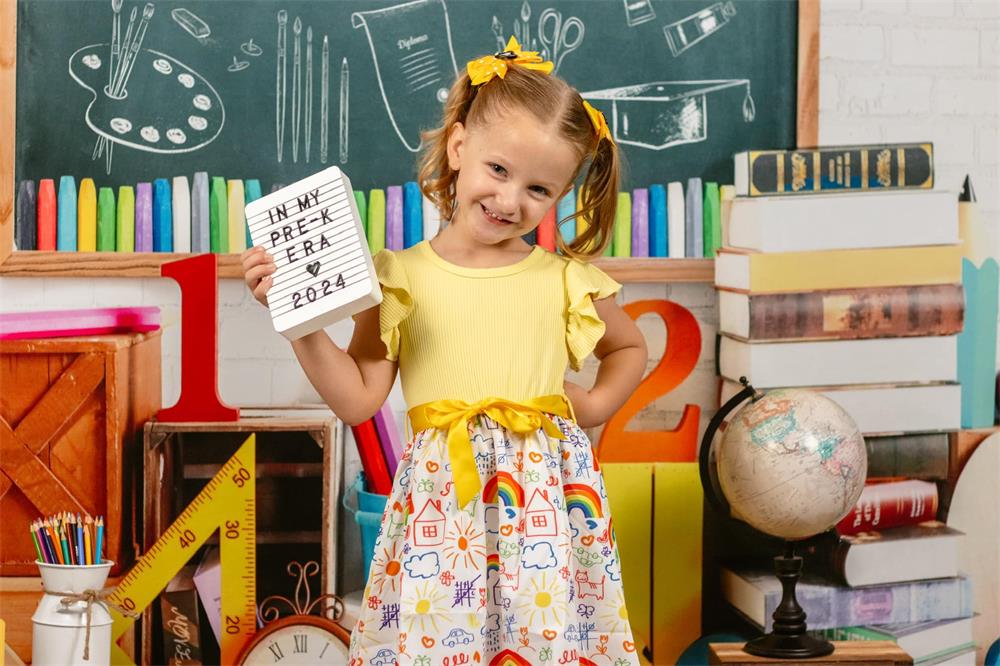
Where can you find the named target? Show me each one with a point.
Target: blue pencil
(100, 539)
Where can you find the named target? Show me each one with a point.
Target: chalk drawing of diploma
(412, 68)
(662, 114)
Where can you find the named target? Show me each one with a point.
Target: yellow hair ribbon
(482, 70)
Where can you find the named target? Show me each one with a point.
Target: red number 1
(199, 401)
(678, 360)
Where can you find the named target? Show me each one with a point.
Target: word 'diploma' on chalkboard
(324, 269)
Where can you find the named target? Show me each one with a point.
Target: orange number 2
(679, 358)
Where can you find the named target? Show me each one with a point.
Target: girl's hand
(258, 267)
(587, 409)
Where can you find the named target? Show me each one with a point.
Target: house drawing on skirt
(428, 526)
(540, 515)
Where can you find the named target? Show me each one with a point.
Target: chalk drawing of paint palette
(161, 106)
(324, 272)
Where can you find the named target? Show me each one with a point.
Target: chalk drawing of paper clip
(414, 69)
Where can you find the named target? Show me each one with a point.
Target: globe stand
(788, 638)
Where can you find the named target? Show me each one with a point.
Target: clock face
(302, 640)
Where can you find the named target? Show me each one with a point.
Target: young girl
(497, 544)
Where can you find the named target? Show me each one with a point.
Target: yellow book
(86, 217)
(761, 273)
(237, 216)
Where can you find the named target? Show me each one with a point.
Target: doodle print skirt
(526, 573)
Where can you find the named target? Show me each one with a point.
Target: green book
(376, 220)
(623, 228)
(218, 215)
(126, 219)
(711, 219)
(106, 214)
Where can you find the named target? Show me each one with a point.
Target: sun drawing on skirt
(465, 543)
(544, 601)
(425, 607)
(387, 568)
(614, 617)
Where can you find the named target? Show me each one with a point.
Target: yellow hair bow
(482, 70)
(598, 121)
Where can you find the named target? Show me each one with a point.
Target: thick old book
(840, 362)
(920, 455)
(884, 505)
(891, 408)
(841, 222)
(834, 169)
(782, 272)
(756, 593)
(876, 312)
(926, 642)
(924, 551)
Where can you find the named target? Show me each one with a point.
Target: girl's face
(511, 171)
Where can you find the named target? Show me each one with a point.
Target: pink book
(89, 321)
(388, 437)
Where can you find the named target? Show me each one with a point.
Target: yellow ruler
(226, 504)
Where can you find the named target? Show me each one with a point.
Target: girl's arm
(622, 353)
(354, 383)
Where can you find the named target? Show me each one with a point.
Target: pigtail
(598, 206)
(437, 180)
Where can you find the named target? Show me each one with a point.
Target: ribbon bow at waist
(454, 416)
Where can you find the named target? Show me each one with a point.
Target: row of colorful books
(855, 294)
(207, 215)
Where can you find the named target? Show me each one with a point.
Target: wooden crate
(18, 599)
(71, 411)
(299, 460)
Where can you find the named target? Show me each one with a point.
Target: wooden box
(71, 413)
(299, 460)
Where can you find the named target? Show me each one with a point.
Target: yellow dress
(497, 545)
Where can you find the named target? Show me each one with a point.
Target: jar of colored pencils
(71, 624)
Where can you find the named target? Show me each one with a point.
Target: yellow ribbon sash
(454, 416)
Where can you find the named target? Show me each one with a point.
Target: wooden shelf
(147, 264)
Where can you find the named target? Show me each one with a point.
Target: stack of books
(889, 571)
(842, 273)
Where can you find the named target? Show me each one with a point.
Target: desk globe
(791, 463)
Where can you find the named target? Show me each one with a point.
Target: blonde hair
(552, 101)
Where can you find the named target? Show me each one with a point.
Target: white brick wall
(890, 70)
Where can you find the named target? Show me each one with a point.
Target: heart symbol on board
(432, 466)
(565, 455)
(587, 540)
(629, 646)
(549, 634)
(428, 642)
(313, 268)
(535, 457)
(506, 529)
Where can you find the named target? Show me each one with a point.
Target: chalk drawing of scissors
(553, 33)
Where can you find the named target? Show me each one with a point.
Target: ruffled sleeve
(584, 284)
(396, 301)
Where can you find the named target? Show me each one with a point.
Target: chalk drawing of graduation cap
(663, 114)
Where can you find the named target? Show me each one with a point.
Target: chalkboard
(277, 90)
